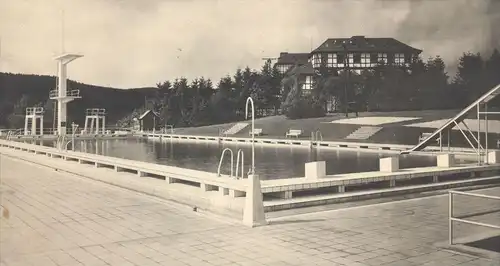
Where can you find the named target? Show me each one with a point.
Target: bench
(256, 132)
(423, 136)
(293, 133)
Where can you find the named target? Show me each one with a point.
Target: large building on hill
(338, 54)
(356, 53)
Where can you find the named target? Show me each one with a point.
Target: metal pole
(449, 139)
(450, 215)
(478, 137)
(440, 141)
(486, 129)
(250, 100)
(347, 80)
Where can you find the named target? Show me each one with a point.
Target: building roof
(363, 44)
(292, 58)
(305, 69)
(147, 112)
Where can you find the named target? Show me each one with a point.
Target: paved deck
(51, 218)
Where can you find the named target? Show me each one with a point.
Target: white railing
(222, 158)
(34, 111)
(95, 112)
(14, 132)
(452, 219)
(69, 93)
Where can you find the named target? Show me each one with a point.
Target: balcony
(54, 94)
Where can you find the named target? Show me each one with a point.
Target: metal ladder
(238, 163)
(315, 137)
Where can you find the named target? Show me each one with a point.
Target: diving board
(485, 98)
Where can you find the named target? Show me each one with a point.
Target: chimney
(358, 39)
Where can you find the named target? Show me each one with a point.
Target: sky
(139, 43)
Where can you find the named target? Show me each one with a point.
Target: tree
(493, 69)
(266, 90)
(299, 105)
(16, 118)
(428, 84)
(221, 106)
(469, 82)
(388, 87)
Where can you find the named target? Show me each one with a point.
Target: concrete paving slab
(59, 219)
(374, 120)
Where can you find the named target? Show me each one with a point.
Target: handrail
(240, 151)
(452, 219)
(67, 143)
(222, 157)
(320, 135)
(60, 141)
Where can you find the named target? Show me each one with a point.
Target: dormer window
(316, 60)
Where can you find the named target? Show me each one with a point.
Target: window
(316, 60)
(307, 86)
(357, 58)
(351, 59)
(373, 58)
(382, 57)
(399, 59)
(365, 60)
(332, 59)
(283, 68)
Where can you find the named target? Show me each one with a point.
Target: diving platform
(474, 141)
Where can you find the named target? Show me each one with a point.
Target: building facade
(356, 54)
(287, 60)
(149, 121)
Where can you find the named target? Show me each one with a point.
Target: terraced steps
(364, 132)
(235, 128)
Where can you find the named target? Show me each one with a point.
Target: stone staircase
(363, 133)
(235, 128)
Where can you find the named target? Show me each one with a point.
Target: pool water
(270, 162)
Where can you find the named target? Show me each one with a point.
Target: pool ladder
(315, 137)
(240, 152)
(62, 144)
(11, 134)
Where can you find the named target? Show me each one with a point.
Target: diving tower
(33, 115)
(97, 117)
(61, 94)
(475, 143)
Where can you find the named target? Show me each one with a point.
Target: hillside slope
(30, 90)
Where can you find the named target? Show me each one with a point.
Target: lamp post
(346, 68)
(250, 100)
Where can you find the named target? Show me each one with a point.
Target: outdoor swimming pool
(270, 162)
